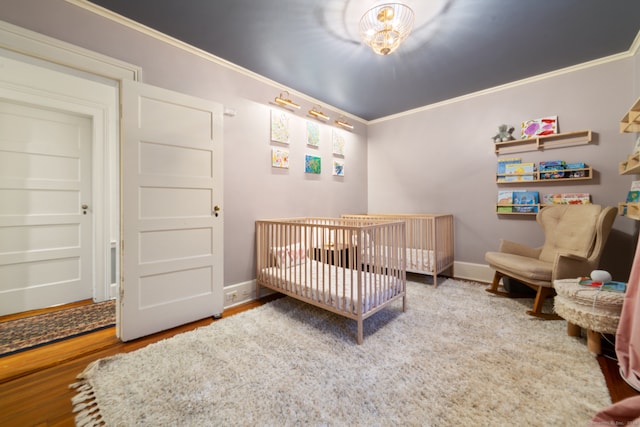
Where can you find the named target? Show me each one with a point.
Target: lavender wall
(252, 188)
(442, 159)
(438, 159)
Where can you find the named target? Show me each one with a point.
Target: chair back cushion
(568, 229)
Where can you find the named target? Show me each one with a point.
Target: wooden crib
(429, 241)
(352, 267)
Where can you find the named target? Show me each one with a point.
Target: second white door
(45, 214)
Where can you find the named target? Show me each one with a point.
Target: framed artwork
(313, 134)
(338, 143)
(279, 126)
(279, 158)
(540, 127)
(312, 164)
(338, 167)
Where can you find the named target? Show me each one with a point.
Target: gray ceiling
(470, 45)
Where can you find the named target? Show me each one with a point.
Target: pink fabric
(624, 413)
(628, 334)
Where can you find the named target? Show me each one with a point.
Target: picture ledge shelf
(631, 120)
(631, 166)
(541, 206)
(536, 177)
(630, 210)
(536, 143)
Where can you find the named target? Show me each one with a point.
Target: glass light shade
(385, 26)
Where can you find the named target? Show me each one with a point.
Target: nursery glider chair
(574, 238)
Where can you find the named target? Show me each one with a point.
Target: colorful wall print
(313, 134)
(312, 164)
(279, 126)
(338, 143)
(338, 167)
(540, 127)
(280, 158)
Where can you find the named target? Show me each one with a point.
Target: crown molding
(495, 89)
(115, 17)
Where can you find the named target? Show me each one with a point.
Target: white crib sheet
(335, 286)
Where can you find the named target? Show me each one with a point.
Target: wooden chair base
(507, 294)
(542, 293)
(544, 316)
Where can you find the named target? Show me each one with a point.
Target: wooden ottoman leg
(593, 342)
(573, 330)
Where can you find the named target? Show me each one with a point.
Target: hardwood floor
(34, 385)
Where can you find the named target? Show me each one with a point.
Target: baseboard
(470, 271)
(240, 293)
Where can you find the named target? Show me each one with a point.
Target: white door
(172, 244)
(45, 234)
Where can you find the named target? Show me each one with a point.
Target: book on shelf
(521, 200)
(552, 169)
(519, 172)
(505, 201)
(502, 163)
(566, 199)
(635, 185)
(633, 196)
(575, 198)
(576, 170)
(505, 161)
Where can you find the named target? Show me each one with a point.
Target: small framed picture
(312, 164)
(279, 158)
(313, 134)
(338, 143)
(540, 127)
(279, 127)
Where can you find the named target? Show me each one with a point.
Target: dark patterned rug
(34, 331)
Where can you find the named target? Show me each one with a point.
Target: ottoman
(596, 310)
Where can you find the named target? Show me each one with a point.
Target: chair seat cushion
(527, 268)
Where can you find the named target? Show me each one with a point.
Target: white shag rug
(457, 356)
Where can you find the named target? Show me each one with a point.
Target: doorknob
(216, 209)
(84, 209)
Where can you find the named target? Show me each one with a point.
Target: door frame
(20, 43)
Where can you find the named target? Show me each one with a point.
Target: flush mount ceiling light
(385, 26)
(344, 123)
(283, 100)
(315, 112)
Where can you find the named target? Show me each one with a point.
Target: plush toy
(504, 134)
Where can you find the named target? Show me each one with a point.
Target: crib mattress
(422, 260)
(334, 286)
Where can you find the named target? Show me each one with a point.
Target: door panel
(172, 239)
(45, 177)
